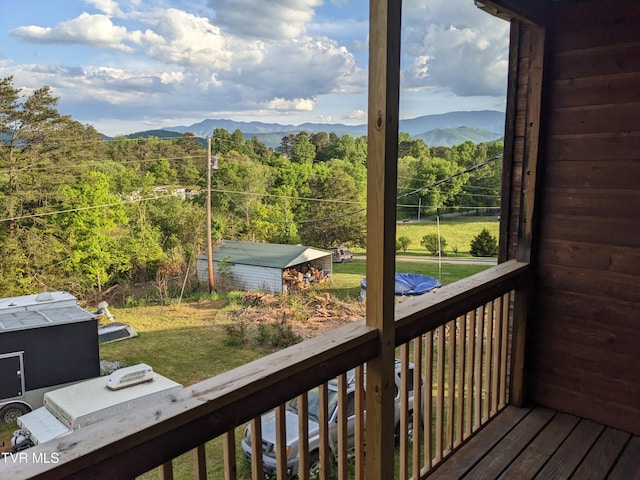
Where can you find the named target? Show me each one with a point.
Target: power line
(89, 207)
(290, 197)
(108, 162)
(226, 192)
(439, 182)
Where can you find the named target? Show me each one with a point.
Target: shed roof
(272, 255)
(28, 311)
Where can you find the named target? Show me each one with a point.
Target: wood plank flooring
(539, 443)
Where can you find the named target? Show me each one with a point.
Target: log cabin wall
(584, 335)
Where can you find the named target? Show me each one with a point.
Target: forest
(80, 213)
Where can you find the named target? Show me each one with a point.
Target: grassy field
(347, 276)
(458, 233)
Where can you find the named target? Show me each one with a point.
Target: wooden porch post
(384, 86)
(522, 301)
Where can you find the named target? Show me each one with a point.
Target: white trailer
(71, 408)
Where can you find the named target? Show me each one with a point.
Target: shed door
(11, 381)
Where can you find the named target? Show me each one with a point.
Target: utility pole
(209, 240)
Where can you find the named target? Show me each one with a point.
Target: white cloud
(358, 114)
(93, 30)
(301, 68)
(177, 37)
(109, 7)
(250, 57)
(447, 47)
(275, 19)
(299, 104)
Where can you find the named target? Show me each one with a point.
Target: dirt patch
(307, 314)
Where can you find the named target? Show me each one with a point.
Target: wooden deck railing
(455, 339)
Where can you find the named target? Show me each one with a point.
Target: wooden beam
(531, 142)
(522, 299)
(384, 88)
(508, 157)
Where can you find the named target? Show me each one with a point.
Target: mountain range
(444, 129)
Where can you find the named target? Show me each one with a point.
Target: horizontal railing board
(421, 314)
(143, 438)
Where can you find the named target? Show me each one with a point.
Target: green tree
(96, 228)
(433, 243)
(338, 216)
(241, 184)
(42, 153)
(24, 123)
(353, 150)
(419, 149)
(320, 140)
(221, 141)
(436, 182)
(484, 245)
(162, 172)
(404, 142)
(303, 151)
(404, 243)
(237, 141)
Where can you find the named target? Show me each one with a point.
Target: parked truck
(269, 434)
(75, 406)
(46, 341)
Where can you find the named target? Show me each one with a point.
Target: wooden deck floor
(538, 443)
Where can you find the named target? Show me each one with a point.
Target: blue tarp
(408, 284)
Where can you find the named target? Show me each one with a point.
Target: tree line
(80, 213)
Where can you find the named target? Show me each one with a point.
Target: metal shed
(46, 340)
(269, 267)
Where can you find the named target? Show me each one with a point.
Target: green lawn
(347, 276)
(457, 232)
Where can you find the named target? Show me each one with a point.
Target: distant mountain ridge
(444, 129)
(448, 137)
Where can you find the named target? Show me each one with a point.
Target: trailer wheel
(11, 412)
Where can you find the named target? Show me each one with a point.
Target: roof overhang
(529, 11)
(309, 255)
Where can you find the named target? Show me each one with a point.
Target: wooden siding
(586, 329)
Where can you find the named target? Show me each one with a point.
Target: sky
(125, 66)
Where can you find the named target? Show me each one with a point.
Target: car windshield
(314, 403)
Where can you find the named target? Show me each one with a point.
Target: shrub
(403, 243)
(276, 335)
(484, 245)
(236, 334)
(430, 242)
